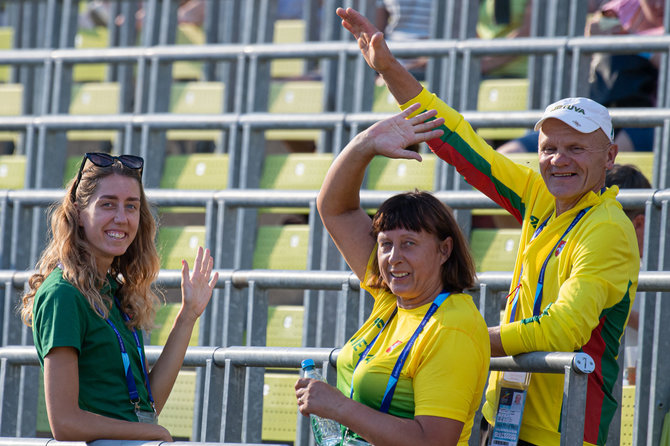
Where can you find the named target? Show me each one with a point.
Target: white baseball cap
(582, 114)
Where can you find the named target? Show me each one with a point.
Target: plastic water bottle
(326, 432)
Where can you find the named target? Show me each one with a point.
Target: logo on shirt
(534, 221)
(559, 248)
(393, 346)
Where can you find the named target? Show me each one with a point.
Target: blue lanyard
(130, 378)
(395, 374)
(537, 303)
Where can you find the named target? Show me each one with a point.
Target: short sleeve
(58, 320)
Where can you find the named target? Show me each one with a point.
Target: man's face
(573, 163)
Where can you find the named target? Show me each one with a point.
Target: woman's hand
(317, 397)
(196, 288)
(391, 136)
(370, 39)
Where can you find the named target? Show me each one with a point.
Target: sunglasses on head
(106, 160)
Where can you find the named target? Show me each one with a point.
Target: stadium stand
(227, 95)
(12, 171)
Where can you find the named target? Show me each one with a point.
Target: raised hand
(370, 39)
(391, 136)
(196, 288)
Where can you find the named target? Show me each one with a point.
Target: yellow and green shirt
(590, 279)
(445, 372)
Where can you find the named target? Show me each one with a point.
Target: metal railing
(234, 412)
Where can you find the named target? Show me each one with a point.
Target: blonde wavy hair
(136, 270)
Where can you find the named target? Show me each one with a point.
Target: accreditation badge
(513, 387)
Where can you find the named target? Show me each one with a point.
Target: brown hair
(420, 211)
(627, 176)
(67, 248)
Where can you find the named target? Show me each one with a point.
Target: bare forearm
(87, 426)
(340, 190)
(400, 82)
(496, 342)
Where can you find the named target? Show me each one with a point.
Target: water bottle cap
(307, 363)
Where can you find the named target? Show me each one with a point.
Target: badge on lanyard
(513, 387)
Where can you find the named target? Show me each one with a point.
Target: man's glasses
(106, 160)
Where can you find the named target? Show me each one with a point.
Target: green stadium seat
(6, 43)
(43, 427)
(294, 171)
(198, 171)
(177, 414)
(175, 243)
(383, 101)
(164, 320)
(288, 97)
(285, 326)
(188, 34)
(280, 410)
(281, 247)
(12, 171)
(288, 31)
(494, 249)
(97, 37)
(502, 95)
(11, 104)
(94, 98)
(401, 174)
(642, 160)
(627, 415)
(190, 98)
(72, 164)
(529, 159)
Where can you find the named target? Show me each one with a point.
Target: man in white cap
(576, 270)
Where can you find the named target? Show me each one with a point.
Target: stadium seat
(285, 326)
(643, 160)
(197, 171)
(72, 164)
(94, 98)
(494, 249)
(281, 247)
(529, 159)
(12, 171)
(627, 415)
(11, 104)
(502, 95)
(294, 171)
(401, 174)
(288, 97)
(288, 31)
(97, 37)
(177, 414)
(280, 410)
(175, 243)
(43, 428)
(188, 34)
(6, 43)
(205, 98)
(383, 101)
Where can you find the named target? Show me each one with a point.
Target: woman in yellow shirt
(415, 371)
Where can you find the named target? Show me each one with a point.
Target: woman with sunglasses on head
(92, 296)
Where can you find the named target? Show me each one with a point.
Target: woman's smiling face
(111, 218)
(410, 263)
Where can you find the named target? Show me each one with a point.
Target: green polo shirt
(63, 318)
